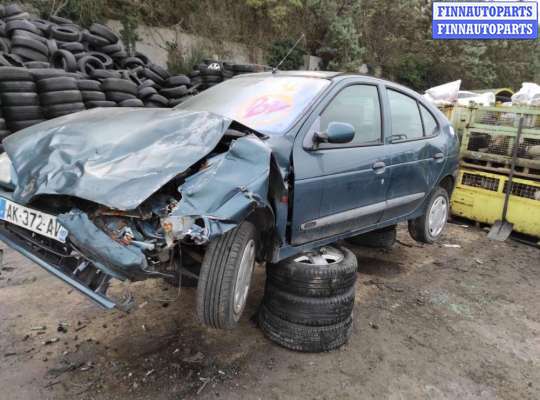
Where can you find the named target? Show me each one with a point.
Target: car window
(405, 116)
(430, 124)
(357, 105)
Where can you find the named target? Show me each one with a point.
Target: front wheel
(225, 277)
(429, 227)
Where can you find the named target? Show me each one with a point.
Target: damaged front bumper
(54, 263)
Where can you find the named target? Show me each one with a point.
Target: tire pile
(54, 67)
(211, 72)
(309, 300)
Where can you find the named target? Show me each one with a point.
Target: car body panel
(116, 157)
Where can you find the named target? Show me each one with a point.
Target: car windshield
(267, 104)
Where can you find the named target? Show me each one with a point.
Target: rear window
(268, 104)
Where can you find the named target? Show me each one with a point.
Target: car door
(340, 187)
(417, 154)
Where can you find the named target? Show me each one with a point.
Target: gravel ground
(431, 322)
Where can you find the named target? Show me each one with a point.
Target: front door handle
(379, 166)
(438, 156)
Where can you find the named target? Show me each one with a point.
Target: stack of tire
(148, 93)
(60, 96)
(20, 102)
(211, 72)
(175, 89)
(122, 91)
(92, 94)
(309, 300)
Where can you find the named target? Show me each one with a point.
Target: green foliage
(392, 36)
(279, 50)
(130, 22)
(180, 62)
(84, 12)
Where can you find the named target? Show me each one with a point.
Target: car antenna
(275, 69)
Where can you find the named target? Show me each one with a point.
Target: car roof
(329, 75)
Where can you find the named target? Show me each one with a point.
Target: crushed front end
(149, 232)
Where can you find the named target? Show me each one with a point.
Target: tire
(146, 92)
(93, 95)
(65, 33)
(420, 229)
(174, 93)
(220, 274)
(310, 339)
(59, 83)
(95, 104)
(312, 311)
(315, 280)
(17, 87)
(23, 113)
(27, 54)
(61, 97)
(72, 47)
(111, 48)
(37, 64)
(15, 126)
(23, 25)
(89, 85)
(43, 25)
(178, 80)
(59, 110)
(131, 103)
(148, 83)
(60, 20)
(21, 41)
(11, 60)
(148, 73)
(212, 79)
(88, 64)
(105, 32)
(105, 74)
(132, 62)
(158, 99)
(94, 41)
(162, 72)
(65, 60)
(119, 97)
(104, 58)
(119, 85)
(19, 99)
(381, 238)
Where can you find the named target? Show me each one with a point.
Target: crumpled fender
(223, 194)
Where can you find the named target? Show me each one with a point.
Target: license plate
(33, 220)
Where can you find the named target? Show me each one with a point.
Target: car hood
(116, 157)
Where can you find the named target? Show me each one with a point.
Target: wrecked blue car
(262, 167)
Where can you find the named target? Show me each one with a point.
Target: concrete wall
(153, 42)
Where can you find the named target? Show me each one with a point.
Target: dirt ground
(457, 320)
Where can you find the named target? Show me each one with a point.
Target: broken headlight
(6, 171)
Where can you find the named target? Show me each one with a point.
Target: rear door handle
(379, 166)
(438, 156)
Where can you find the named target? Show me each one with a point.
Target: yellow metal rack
(488, 135)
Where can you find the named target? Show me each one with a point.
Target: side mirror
(337, 132)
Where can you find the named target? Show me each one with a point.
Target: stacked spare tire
(309, 300)
(54, 67)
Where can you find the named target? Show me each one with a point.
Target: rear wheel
(429, 227)
(225, 277)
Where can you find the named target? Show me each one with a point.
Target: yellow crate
(479, 196)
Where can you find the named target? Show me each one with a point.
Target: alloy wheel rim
(243, 279)
(438, 214)
(322, 256)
